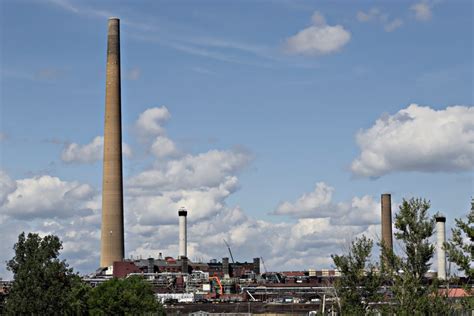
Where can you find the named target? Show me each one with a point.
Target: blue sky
(272, 94)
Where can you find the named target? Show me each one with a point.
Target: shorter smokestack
(256, 265)
(386, 202)
(184, 265)
(441, 234)
(183, 234)
(225, 267)
(151, 265)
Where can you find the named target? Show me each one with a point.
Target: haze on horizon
(278, 124)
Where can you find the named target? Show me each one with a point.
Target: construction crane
(230, 252)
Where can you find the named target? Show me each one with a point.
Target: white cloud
(46, 196)
(319, 204)
(203, 170)
(417, 138)
(164, 147)
(151, 226)
(309, 204)
(89, 153)
(310, 240)
(376, 15)
(393, 25)
(49, 205)
(318, 39)
(162, 208)
(422, 11)
(150, 122)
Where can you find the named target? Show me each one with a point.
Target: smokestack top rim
(114, 18)
(440, 219)
(182, 213)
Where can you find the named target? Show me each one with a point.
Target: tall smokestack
(441, 234)
(183, 234)
(386, 202)
(112, 239)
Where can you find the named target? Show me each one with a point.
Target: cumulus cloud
(319, 204)
(49, 205)
(207, 169)
(89, 153)
(376, 15)
(318, 39)
(164, 147)
(162, 208)
(46, 196)
(304, 244)
(309, 204)
(422, 11)
(417, 138)
(150, 122)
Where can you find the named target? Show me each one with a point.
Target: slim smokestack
(112, 239)
(386, 201)
(183, 234)
(441, 234)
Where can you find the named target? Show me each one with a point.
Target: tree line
(397, 284)
(45, 285)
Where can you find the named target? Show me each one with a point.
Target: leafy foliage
(45, 285)
(130, 296)
(414, 230)
(411, 290)
(460, 248)
(359, 283)
(42, 283)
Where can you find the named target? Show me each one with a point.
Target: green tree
(360, 282)
(460, 249)
(42, 283)
(129, 296)
(411, 290)
(78, 297)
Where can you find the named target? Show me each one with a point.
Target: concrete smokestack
(183, 234)
(112, 239)
(441, 236)
(386, 202)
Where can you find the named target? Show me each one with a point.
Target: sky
(278, 124)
